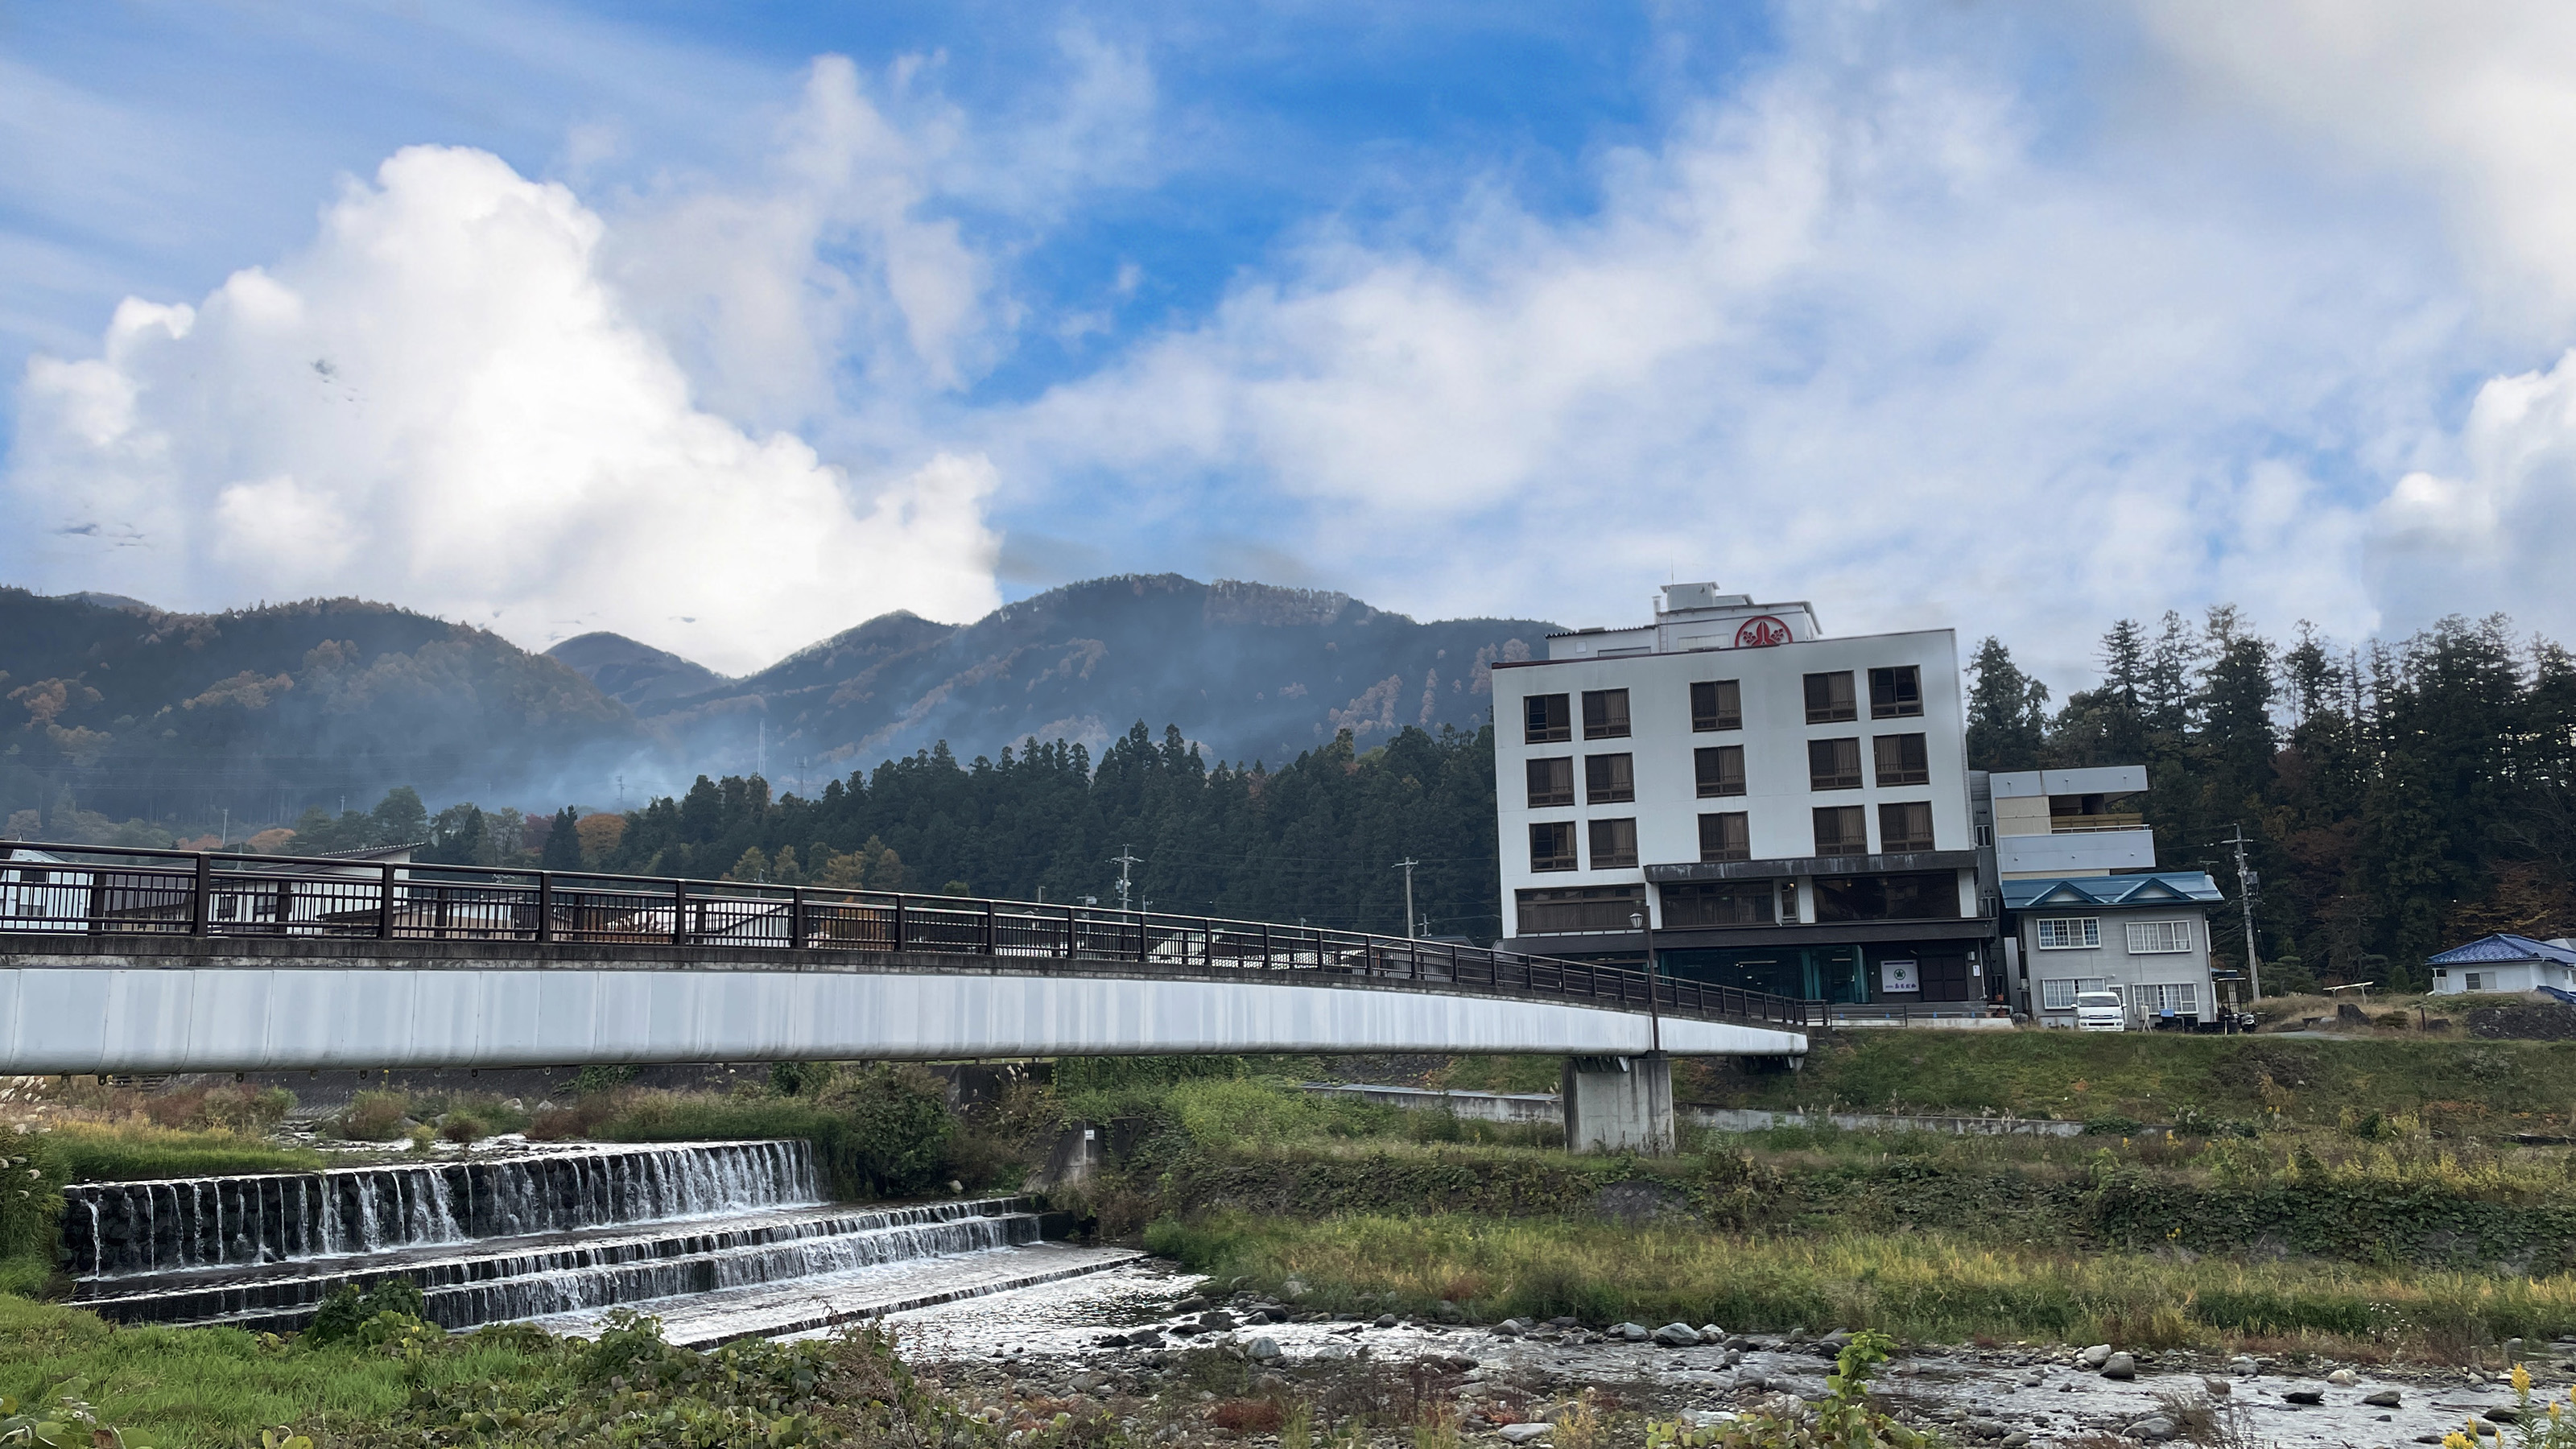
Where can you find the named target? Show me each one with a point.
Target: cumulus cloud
(2492, 537)
(444, 402)
(1871, 331)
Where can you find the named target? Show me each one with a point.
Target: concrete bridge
(144, 961)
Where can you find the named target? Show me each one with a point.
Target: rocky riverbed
(1165, 1355)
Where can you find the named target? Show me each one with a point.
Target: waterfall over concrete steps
(674, 1229)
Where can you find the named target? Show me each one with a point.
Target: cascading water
(561, 1233)
(117, 1228)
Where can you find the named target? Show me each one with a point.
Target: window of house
(1725, 836)
(1552, 845)
(2182, 998)
(1829, 698)
(2059, 994)
(1840, 830)
(2157, 938)
(1914, 896)
(1717, 704)
(2068, 933)
(1609, 778)
(1719, 769)
(1614, 843)
(1544, 720)
(1905, 826)
(1895, 693)
(1605, 714)
(2477, 982)
(1901, 760)
(1719, 903)
(1551, 782)
(1579, 908)
(1833, 764)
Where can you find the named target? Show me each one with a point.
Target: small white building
(2505, 963)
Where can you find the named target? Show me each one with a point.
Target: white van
(2100, 1011)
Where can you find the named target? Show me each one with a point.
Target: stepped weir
(707, 1233)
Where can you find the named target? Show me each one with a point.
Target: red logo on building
(1761, 633)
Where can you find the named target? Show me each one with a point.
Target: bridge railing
(109, 891)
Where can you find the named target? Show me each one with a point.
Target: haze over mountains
(117, 707)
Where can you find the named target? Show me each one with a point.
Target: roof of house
(2113, 892)
(2504, 947)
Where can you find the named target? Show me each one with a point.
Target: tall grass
(1917, 1286)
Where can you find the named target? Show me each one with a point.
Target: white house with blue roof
(2145, 936)
(2085, 907)
(2505, 962)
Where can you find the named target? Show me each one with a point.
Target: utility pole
(1125, 858)
(2247, 882)
(1406, 865)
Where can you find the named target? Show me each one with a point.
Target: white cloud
(2495, 536)
(443, 402)
(1873, 331)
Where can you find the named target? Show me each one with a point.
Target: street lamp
(1654, 1000)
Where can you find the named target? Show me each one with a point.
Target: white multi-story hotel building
(1790, 812)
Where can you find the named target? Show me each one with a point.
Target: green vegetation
(1916, 1285)
(392, 1379)
(124, 1152)
(2266, 1081)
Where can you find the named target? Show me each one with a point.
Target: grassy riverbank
(1916, 1285)
(2456, 1086)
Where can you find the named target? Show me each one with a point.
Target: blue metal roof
(2503, 947)
(2113, 892)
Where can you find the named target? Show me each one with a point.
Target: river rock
(2343, 1378)
(2502, 1414)
(1216, 1320)
(2094, 1357)
(2218, 1388)
(1385, 1320)
(1525, 1433)
(1633, 1332)
(1510, 1328)
(1264, 1349)
(2153, 1430)
(1191, 1304)
(2384, 1399)
(2309, 1397)
(2120, 1366)
(1711, 1333)
(1677, 1335)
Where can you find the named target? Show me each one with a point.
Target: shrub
(462, 1129)
(348, 1313)
(375, 1117)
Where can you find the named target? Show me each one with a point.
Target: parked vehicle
(2100, 1011)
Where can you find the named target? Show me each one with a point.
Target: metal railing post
(898, 922)
(1265, 945)
(796, 918)
(545, 906)
(385, 908)
(1144, 951)
(1072, 933)
(679, 913)
(201, 904)
(992, 931)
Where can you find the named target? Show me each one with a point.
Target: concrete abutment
(1620, 1104)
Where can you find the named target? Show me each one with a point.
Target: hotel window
(1608, 779)
(1717, 704)
(1829, 698)
(1895, 693)
(2060, 994)
(1719, 769)
(1605, 714)
(1614, 843)
(1841, 830)
(1920, 896)
(1552, 846)
(1721, 903)
(1725, 836)
(1544, 719)
(1833, 764)
(2068, 933)
(2159, 938)
(1580, 908)
(1901, 760)
(1905, 827)
(1551, 782)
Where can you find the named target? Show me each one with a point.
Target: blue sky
(727, 328)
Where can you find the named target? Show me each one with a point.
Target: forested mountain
(120, 711)
(2402, 798)
(1246, 671)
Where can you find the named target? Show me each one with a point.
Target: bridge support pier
(1619, 1104)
